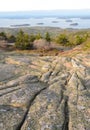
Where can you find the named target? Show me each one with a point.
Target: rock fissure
(66, 107)
(45, 92)
(5, 93)
(66, 116)
(28, 107)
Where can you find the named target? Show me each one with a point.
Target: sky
(27, 5)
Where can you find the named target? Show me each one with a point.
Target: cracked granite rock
(44, 92)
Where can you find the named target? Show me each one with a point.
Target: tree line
(24, 40)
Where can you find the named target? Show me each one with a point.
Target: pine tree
(47, 37)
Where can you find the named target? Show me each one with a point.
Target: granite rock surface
(44, 92)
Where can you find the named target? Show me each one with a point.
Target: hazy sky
(22, 5)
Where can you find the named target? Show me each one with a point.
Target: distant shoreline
(39, 29)
(18, 27)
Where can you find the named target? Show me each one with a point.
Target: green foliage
(47, 37)
(32, 38)
(65, 38)
(3, 36)
(23, 41)
(38, 36)
(80, 39)
(62, 39)
(87, 45)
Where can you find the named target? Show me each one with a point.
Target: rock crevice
(44, 93)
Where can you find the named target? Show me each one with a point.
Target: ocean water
(47, 21)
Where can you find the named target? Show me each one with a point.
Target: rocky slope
(44, 93)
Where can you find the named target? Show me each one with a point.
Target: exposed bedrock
(44, 93)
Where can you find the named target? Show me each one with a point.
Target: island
(40, 23)
(20, 25)
(54, 21)
(74, 24)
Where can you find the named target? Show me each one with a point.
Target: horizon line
(42, 10)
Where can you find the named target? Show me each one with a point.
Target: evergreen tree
(62, 39)
(47, 37)
(23, 41)
(38, 36)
